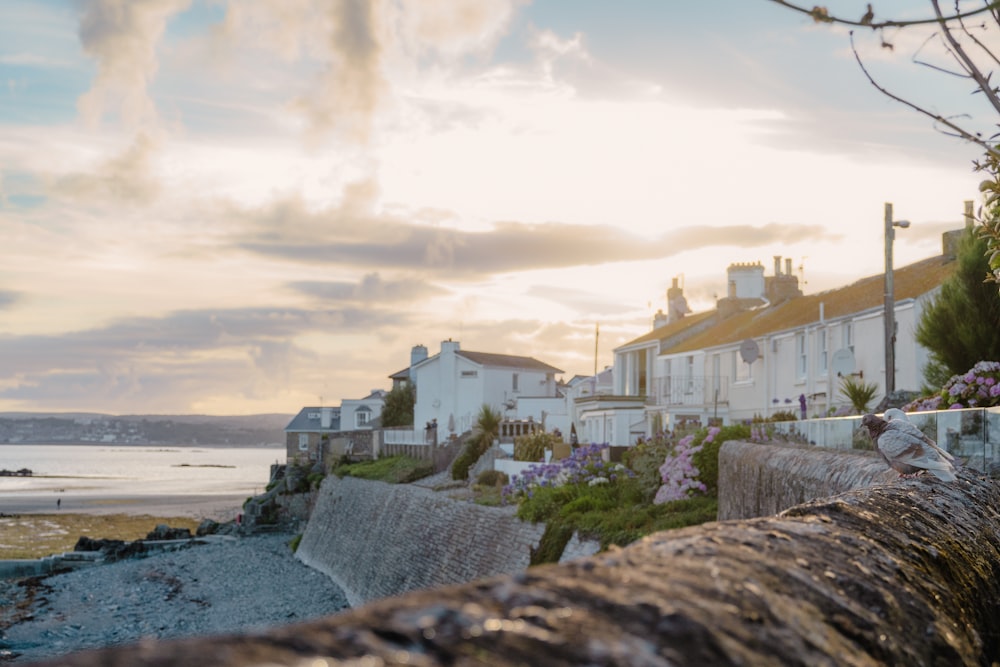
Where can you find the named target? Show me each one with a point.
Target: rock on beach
(240, 585)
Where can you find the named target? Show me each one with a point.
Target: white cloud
(122, 36)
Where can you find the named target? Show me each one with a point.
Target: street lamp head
(901, 223)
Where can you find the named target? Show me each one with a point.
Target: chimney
(659, 319)
(417, 354)
(777, 265)
(788, 266)
(677, 305)
(449, 346)
(325, 417)
(732, 289)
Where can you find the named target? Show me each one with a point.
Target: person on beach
(58, 503)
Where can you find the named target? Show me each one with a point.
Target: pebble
(244, 585)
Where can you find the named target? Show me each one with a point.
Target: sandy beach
(217, 507)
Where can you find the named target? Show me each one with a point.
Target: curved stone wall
(764, 479)
(376, 540)
(906, 573)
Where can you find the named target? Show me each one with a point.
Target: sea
(136, 470)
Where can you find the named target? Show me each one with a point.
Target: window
(470, 374)
(801, 356)
(716, 371)
(849, 336)
(690, 374)
(823, 350)
(514, 381)
(743, 370)
(362, 417)
(303, 442)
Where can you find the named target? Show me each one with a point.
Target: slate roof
(309, 420)
(507, 361)
(909, 282)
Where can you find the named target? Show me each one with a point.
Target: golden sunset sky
(240, 206)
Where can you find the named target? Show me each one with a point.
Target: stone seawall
(764, 479)
(377, 540)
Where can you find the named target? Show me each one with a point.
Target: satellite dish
(842, 362)
(749, 351)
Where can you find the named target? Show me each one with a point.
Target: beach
(199, 506)
(227, 585)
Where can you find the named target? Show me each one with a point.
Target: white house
(767, 348)
(359, 414)
(453, 385)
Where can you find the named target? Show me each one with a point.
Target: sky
(249, 206)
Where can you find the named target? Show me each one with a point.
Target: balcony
(692, 390)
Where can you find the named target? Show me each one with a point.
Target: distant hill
(75, 427)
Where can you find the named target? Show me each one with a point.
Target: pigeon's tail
(944, 474)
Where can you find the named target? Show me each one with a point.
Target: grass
(37, 535)
(392, 469)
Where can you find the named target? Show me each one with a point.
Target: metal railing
(691, 390)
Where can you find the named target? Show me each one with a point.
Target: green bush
(859, 393)
(391, 469)
(531, 447)
(294, 544)
(646, 458)
(783, 416)
(474, 447)
(707, 460)
(492, 478)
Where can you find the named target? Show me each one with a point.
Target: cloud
(121, 36)
(352, 236)
(128, 178)
(8, 298)
(583, 301)
(370, 289)
(175, 360)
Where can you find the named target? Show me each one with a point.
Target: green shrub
(294, 544)
(783, 416)
(473, 449)
(551, 545)
(531, 447)
(859, 393)
(707, 460)
(391, 469)
(492, 478)
(646, 458)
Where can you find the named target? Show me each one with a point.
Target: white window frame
(824, 351)
(303, 442)
(801, 355)
(362, 418)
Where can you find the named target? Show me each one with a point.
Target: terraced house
(765, 348)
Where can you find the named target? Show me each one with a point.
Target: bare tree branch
(956, 130)
(817, 11)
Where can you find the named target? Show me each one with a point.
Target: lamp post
(890, 305)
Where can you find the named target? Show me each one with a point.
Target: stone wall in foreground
(376, 540)
(904, 573)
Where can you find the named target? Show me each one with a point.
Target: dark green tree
(959, 327)
(398, 407)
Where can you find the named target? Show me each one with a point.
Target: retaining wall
(376, 540)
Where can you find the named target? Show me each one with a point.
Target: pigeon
(895, 413)
(906, 449)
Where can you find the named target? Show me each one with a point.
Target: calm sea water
(137, 470)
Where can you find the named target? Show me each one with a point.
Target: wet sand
(217, 507)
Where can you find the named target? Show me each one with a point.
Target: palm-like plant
(858, 392)
(487, 426)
